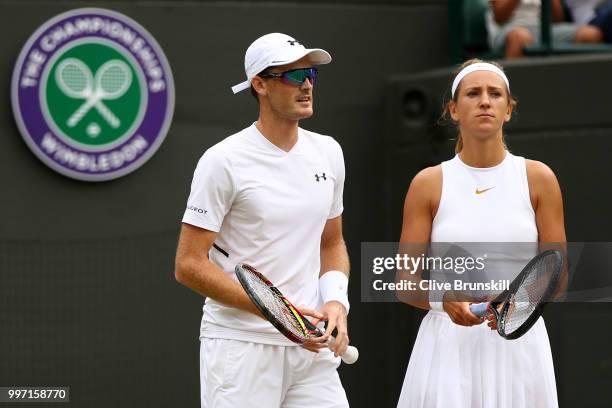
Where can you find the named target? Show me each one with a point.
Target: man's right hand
(314, 344)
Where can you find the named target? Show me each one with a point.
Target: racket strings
(73, 78)
(113, 80)
(276, 306)
(530, 294)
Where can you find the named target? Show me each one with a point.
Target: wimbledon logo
(92, 94)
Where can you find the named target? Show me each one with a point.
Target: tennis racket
(280, 312)
(517, 309)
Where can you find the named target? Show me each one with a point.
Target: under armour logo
(320, 177)
(293, 42)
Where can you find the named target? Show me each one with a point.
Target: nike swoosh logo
(483, 191)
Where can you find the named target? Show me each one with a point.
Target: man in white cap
(270, 196)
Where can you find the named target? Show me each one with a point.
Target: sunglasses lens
(298, 76)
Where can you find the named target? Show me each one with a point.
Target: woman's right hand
(458, 309)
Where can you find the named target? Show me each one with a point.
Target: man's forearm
(334, 257)
(209, 280)
(333, 277)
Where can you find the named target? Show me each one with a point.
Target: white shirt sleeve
(337, 161)
(212, 191)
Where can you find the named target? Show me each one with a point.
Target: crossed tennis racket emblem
(111, 81)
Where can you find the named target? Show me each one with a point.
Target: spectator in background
(596, 13)
(514, 24)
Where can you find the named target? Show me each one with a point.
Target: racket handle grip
(479, 309)
(351, 355)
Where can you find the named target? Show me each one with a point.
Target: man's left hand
(335, 314)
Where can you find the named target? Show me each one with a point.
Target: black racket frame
(505, 298)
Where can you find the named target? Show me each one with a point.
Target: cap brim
(241, 86)
(317, 57)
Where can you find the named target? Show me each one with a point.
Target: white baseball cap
(276, 49)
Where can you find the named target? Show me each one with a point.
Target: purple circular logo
(92, 94)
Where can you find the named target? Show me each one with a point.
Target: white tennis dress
(473, 367)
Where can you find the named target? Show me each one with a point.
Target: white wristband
(333, 285)
(436, 300)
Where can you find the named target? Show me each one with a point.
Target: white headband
(479, 66)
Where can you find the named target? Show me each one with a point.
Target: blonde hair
(446, 111)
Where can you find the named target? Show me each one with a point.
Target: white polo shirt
(269, 208)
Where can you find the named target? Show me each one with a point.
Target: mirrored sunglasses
(293, 76)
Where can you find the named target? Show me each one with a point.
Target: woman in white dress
(483, 194)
